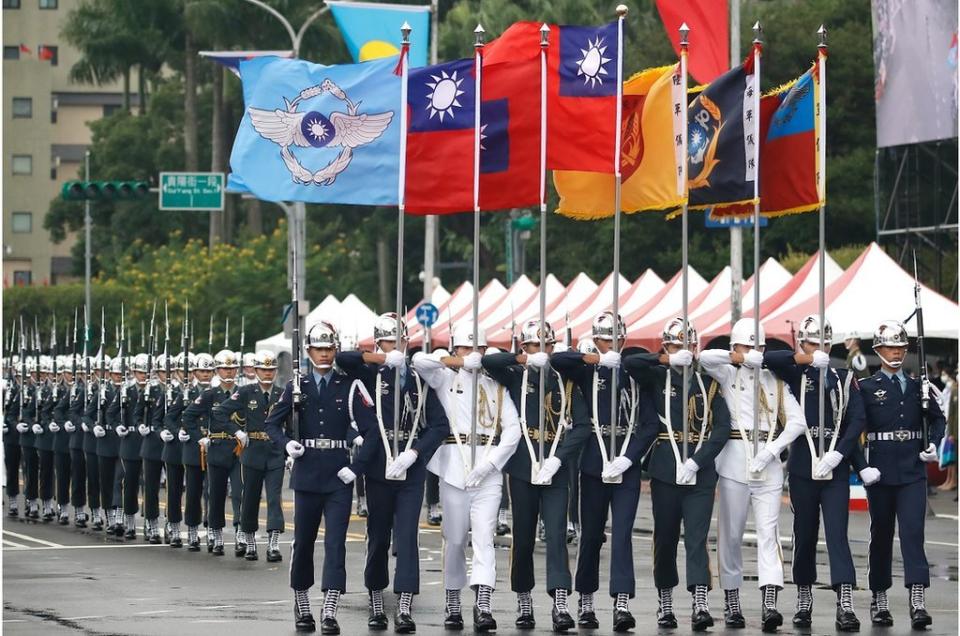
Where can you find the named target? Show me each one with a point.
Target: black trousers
(218, 477)
(62, 461)
(905, 505)
(596, 498)
(433, 489)
(47, 479)
(809, 499)
(505, 493)
(254, 481)
(193, 499)
(693, 506)
(31, 472)
(93, 480)
(394, 512)
(309, 509)
(131, 486)
(175, 478)
(11, 461)
(78, 477)
(550, 503)
(108, 473)
(152, 469)
(574, 500)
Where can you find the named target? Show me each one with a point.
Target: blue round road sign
(427, 314)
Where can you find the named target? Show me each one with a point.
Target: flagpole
(478, 65)
(757, 41)
(544, 43)
(684, 230)
(822, 195)
(401, 187)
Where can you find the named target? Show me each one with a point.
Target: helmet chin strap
(322, 366)
(893, 364)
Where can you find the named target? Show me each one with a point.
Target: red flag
(25, 49)
(45, 53)
(709, 24)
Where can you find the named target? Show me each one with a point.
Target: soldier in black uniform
(78, 459)
(320, 478)
(682, 490)
(903, 435)
(395, 483)
(167, 419)
(122, 412)
(44, 436)
(242, 416)
(194, 469)
(96, 385)
(108, 445)
(11, 435)
(151, 447)
(61, 440)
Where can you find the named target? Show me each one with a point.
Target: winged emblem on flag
(288, 127)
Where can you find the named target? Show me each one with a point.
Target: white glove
(821, 360)
(869, 476)
(538, 360)
(166, 436)
(346, 475)
(143, 429)
(288, 463)
(610, 360)
(682, 358)
(471, 362)
(37, 429)
(753, 359)
(930, 455)
(204, 442)
(760, 462)
(358, 441)
(69, 427)
(548, 469)
(826, 465)
(688, 471)
(480, 471)
(560, 347)
(243, 438)
(617, 467)
(99, 431)
(183, 436)
(83, 425)
(395, 359)
(121, 430)
(295, 449)
(404, 460)
(22, 427)
(6, 429)
(54, 427)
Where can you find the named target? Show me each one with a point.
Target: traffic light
(524, 223)
(104, 190)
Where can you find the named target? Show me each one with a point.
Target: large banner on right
(915, 67)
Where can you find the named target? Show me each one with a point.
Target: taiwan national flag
(582, 98)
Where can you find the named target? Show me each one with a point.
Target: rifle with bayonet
(151, 341)
(922, 355)
(53, 356)
(296, 395)
(185, 343)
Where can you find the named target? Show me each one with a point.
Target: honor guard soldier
(123, 411)
(470, 492)
(44, 437)
(173, 398)
(219, 448)
(749, 468)
(76, 395)
(394, 463)
(683, 478)
(320, 478)
(151, 447)
(202, 367)
(243, 416)
(248, 370)
(539, 482)
(609, 469)
(820, 471)
(61, 438)
(28, 443)
(856, 361)
(96, 397)
(903, 435)
(11, 434)
(108, 445)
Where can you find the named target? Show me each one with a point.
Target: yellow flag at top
(648, 154)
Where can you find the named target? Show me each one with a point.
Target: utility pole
(87, 222)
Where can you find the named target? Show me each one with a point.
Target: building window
(22, 164)
(53, 172)
(21, 278)
(48, 53)
(11, 52)
(22, 222)
(22, 107)
(109, 109)
(11, 4)
(47, 4)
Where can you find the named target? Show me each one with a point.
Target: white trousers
(735, 498)
(473, 509)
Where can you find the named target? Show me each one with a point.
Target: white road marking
(218, 607)
(273, 602)
(80, 618)
(13, 544)
(166, 611)
(35, 540)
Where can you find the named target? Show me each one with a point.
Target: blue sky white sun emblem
(590, 65)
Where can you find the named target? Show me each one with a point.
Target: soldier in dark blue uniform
(202, 368)
(901, 439)
(539, 484)
(91, 416)
(78, 459)
(243, 416)
(44, 437)
(108, 445)
(607, 482)
(121, 414)
(820, 474)
(151, 447)
(168, 419)
(320, 478)
(11, 435)
(682, 490)
(61, 439)
(395, 484)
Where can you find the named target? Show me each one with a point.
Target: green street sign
(191, 190)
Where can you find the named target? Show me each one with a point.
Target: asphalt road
(59, 580)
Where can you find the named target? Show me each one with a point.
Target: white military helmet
(463, 336)
(249, 359)
(322, 335)
(46, 364)
(586, 345)
(349, 342)
(809, 330)
(191, 361)
(673, 333)
(160, 362)
(31, 365)
(602, 327)
(116, 366)
(264, 359)
(385, 327)
(530, 332)
(890, 333)
(743, 334)
(141, 362)
(203, 362)
(226, 359)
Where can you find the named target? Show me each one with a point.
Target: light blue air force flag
(320, 134)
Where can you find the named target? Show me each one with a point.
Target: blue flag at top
(372, 29)
(320, 134)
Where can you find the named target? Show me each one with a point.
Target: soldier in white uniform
(470, 494)
(749, 478)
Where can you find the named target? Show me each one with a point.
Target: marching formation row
(698, 423)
